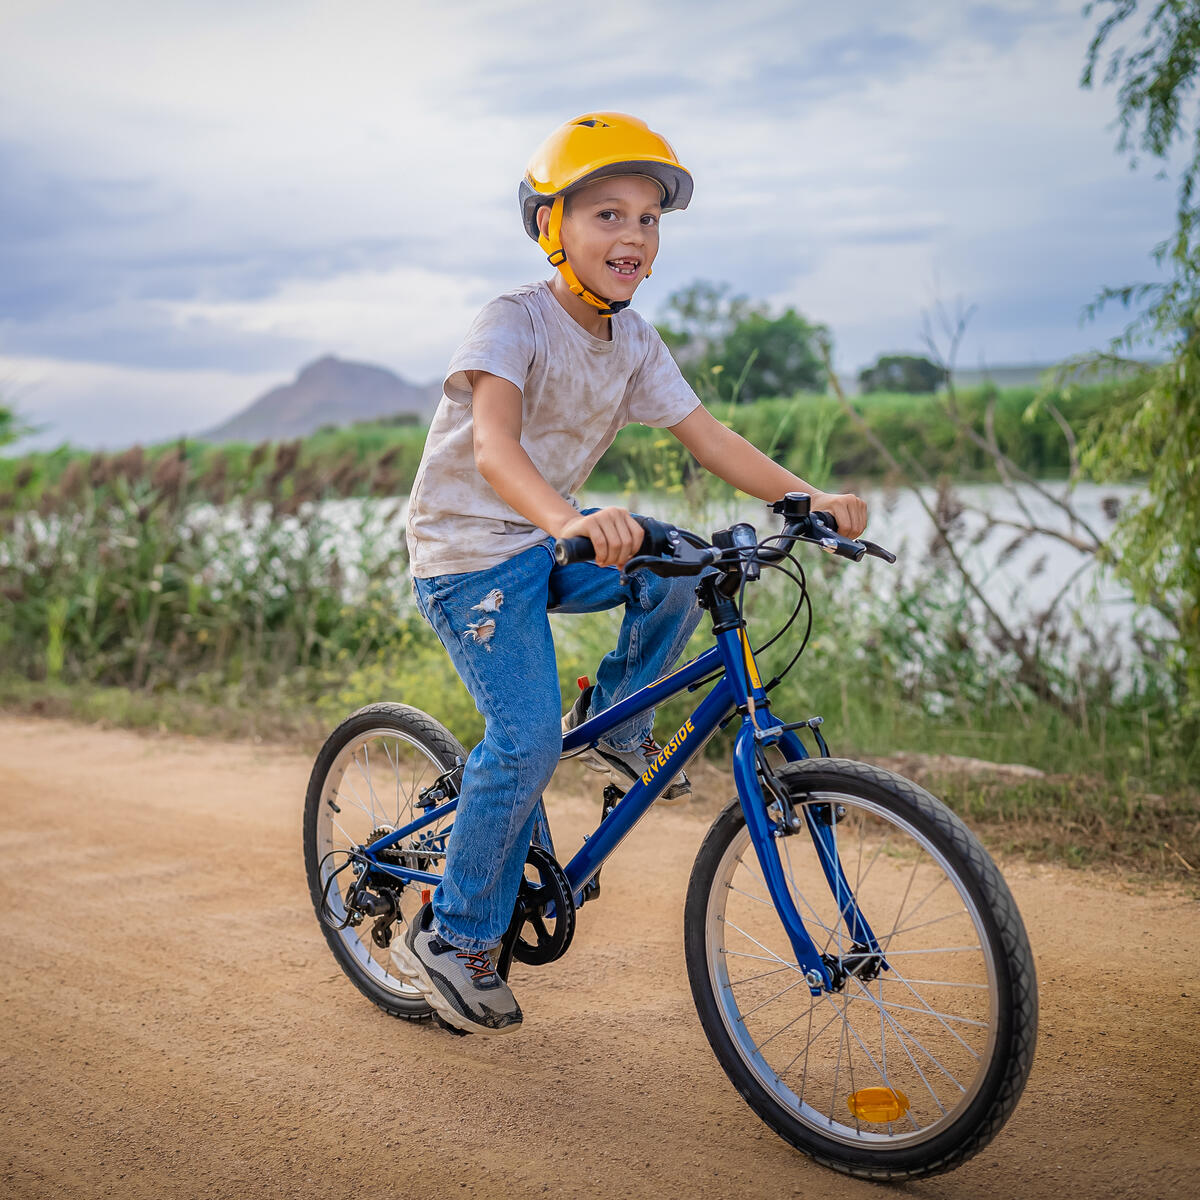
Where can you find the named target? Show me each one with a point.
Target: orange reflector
(583, 683)
(426, 895)
(878, 1105)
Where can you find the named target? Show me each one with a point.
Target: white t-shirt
(577, 392)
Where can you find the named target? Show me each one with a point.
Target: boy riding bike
(547, 376)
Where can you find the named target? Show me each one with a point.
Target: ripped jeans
(494, 625)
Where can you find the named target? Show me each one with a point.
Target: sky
(197, 199)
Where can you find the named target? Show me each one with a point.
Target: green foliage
(810, 435)
(771, 356)
(1155, 77)
(730, 349)
(700, 317)
(10, 426)
(1155, 547)
(902, 373)
(1156, 430)
(135, 584)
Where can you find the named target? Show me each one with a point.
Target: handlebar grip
(573, 550)
(656, 540)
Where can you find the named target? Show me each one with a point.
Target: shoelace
(480, 964)
(650, 748)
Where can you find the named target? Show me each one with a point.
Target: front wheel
(916, 1060)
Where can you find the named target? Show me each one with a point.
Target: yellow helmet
(592, 147)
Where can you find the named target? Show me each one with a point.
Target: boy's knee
(672, 594)
(540, 754)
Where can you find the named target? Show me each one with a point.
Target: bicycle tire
(433, 749)
(986, 1001)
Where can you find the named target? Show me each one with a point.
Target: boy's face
(610, 233)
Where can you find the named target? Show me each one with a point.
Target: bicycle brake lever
(686, 561)
(878, 551)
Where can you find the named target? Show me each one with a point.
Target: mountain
(329, 391)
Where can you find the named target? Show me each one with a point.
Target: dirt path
(173, 1025)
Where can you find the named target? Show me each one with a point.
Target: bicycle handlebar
(664, 543)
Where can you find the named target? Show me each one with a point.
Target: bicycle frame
(737, 688)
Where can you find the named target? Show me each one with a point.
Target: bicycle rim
(886, 1063)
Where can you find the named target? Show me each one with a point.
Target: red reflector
(426, 895)
(583, 683)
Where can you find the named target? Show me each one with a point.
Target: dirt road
(173, 1025)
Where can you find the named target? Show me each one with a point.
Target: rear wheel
(366, 781)
(911, 1065)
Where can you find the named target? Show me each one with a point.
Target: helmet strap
(556, 256)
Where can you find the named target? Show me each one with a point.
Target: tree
(729, 348)
(700, 317)
(771, 356)
(911, 373)
(1156, 430)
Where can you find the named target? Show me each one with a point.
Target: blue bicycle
(858, 963)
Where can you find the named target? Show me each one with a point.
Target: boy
(546, 377)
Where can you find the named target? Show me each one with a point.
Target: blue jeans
(494, 625)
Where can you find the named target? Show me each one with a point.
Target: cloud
(359, 314)
(100, 406)
(349, 185)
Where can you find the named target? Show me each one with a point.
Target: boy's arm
(728, 455)
(502, 461)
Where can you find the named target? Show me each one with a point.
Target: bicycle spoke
(926, 1009)
(908, 1033)
(366, 774)
(794, 966)
(801, 896)
(749, 896)
(790, 986)
(983, 987)
(881, 1071)
(904, 899)
(930, 1012)
(838, 1066)
(887, 841)
(754, 978)
(351, 800)
(896, 1027)
(933, 950)
(914, 912)
(921, 925)
(394, 763)
(760, 957)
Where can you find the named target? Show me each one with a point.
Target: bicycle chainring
(544, 919)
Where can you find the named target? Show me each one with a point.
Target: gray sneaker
(623, 766)
(462, 987)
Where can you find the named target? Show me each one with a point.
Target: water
(1020, 576)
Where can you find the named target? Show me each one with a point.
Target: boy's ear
(543, 219)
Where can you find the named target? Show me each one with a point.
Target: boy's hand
(848, 511)
(615, 534)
